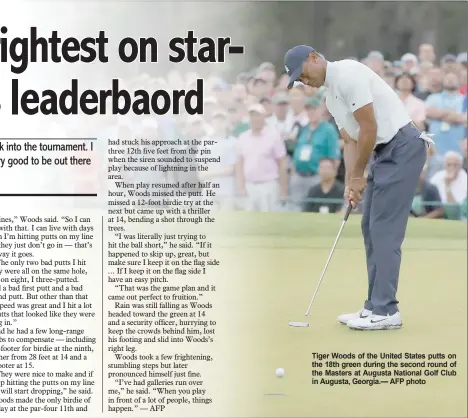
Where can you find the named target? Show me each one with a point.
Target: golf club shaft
(348, 211)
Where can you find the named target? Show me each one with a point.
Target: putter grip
(348, 211)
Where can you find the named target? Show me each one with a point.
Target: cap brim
(293, 77)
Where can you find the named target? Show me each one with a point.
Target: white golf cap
(375, 55)
(409, 57)
(258, 108)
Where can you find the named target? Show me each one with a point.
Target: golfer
(375, 126)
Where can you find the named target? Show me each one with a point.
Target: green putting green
(276, 262)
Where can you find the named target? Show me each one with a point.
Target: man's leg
(296, 192)
(396, 175)
(249, 201)
(365, 227)
(270, 196)
(259, 197)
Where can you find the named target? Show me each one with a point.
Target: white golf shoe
(376, 322)
(345, 318)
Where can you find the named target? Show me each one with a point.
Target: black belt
(380, 147)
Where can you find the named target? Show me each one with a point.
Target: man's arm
(358, 98)
(333, 147)
(435, 214)
(446, 115)
(419, 116)
(433, 111)
(454, 117)
(349, 154)
(449, 193)
(240, 179)
(283, 176)
(280, 155)
(452, 210)
(367, 135)
(436, 113)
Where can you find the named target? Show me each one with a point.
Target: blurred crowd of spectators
(280, 149)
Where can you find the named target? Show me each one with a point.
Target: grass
(276, 262)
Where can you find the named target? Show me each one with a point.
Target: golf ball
(280, 372)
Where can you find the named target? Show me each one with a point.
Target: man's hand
(346, 195)
(454, 118)
(291, 136)
(284, 135)
(449, 178)
(283, 197)
(356, 188)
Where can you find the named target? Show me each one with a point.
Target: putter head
(298, 324)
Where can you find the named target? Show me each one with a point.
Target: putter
(306, 324)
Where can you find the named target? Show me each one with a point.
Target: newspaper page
(154, 260)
